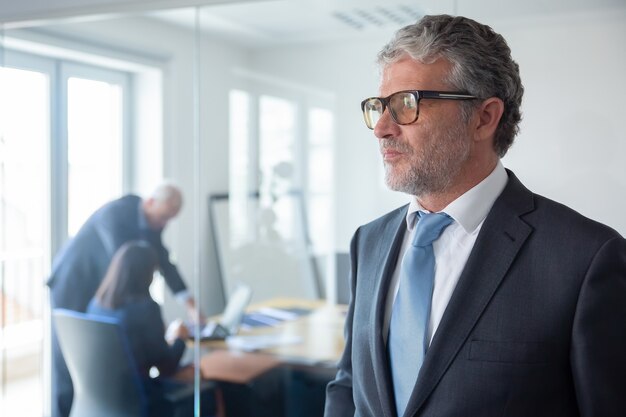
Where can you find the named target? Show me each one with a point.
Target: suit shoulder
(552, 220)
(119, 210)
(563, 218)
(129, 200)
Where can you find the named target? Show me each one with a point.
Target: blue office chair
(105, 375)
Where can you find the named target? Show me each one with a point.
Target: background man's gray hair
(481, 64)
(167, 191)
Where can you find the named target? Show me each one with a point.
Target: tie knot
(429, 227)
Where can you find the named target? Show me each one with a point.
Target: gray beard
(433, 168)
(416, 183)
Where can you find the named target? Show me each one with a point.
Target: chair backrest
(104, 373)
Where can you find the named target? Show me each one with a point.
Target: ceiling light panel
(377, 17)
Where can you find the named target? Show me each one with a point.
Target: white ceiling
(275, 22)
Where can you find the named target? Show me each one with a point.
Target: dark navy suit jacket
(81, 264)
(535, 327)
(145, 330)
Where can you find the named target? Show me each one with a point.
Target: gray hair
(167, 192)
(481, 64)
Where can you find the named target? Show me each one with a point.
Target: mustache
(394, 144)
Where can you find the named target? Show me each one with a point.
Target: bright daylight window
(94, 147)
(281, 148)
(320, 179)
(24, 172)
(239, 167)
(49, 184)
(277, 159)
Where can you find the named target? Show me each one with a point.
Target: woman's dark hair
(129, 275)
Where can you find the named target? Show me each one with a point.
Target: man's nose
(386, 126)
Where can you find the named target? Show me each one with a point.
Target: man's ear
(488, 116)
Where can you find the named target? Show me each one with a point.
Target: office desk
(321, 343)
(281, 381)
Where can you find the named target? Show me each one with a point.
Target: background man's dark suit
(535, 327)
(81, 264)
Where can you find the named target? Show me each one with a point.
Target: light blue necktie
(408, 329)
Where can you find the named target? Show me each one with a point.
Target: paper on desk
(250, 343)
(278, 313)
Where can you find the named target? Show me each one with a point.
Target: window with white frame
(281, 144)
(95, 139)
(63, 141)
(320, 178)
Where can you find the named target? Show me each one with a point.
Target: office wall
(572, 145)
(573, 142)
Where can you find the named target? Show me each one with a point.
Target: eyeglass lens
(372, 110)
(402, 106)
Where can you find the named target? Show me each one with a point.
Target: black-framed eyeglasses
(404, 105)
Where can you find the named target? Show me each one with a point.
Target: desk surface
(320, 332)
(320, 335)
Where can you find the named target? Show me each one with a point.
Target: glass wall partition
(41, 102)
(95, 109)
(81, 124)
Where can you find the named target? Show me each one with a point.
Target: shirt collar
(471, 208)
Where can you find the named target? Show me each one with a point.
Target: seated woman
(124, 294)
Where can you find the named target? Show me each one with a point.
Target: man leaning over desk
(81, 264)
(478, 298)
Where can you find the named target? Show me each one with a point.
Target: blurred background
(257, 102)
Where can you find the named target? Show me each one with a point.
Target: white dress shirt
(453, 247)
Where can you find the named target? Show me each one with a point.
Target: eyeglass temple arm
(446, 96)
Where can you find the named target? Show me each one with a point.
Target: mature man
(479, 298)
(82, 263)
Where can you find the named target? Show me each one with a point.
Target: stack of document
(269, 316)
(252, 343)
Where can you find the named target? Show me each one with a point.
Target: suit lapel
(501, 237)
(393, 232)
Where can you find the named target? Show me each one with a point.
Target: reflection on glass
(277, 122)
(276, 261)
(94, 147)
